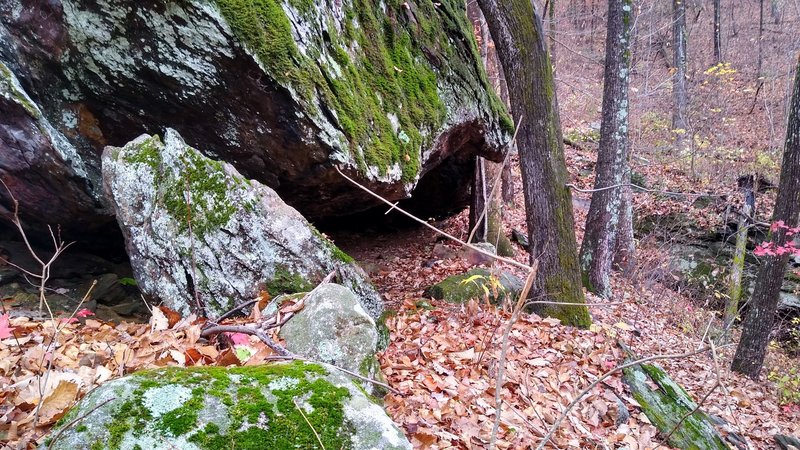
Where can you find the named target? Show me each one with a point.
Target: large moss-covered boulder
(198, 231)
(279, 406)
(667, 406)
(333, 328)
(391, 91)
(478, 284)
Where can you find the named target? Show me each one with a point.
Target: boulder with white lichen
(277, 406)
(199, 233)
(392, 91)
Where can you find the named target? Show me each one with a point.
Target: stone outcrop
(42, 169)
(197, 231)
(294, 405)
(391, 91)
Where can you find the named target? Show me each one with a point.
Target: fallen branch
(443, 233)
(589, 388)
(277, 348)
(498, 387)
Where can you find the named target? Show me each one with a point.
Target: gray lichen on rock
(194, 225)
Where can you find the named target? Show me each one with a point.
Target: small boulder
(194, 227)
(477, 284)
(333, 328)
(293, 405)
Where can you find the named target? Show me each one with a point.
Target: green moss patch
(375, 75)
(256, 422)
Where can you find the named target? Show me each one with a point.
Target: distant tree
(759, 319)
(518, 37)
(717, 31)
(679, 114)
(602, 222)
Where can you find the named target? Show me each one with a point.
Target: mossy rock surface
(196, 226)
(285, 90)
(245, 408)
(667, 405)
(477, 284)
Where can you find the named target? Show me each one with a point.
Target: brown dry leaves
(35, 368)
(444, 363)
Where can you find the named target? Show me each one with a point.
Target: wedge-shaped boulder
(197, 232)
(393, 91)
(278, 406)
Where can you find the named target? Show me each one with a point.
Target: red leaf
(5, 330)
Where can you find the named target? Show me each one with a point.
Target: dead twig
(504, 349)
(443, 233)
(589, 388)
(76, 420)
(309, 423)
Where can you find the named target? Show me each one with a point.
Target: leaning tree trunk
(679, 115)
(717, 31)
(518, 37)
(759, 319)
(747, 185)
(597, 251)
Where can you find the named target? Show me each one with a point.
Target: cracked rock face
(197, 231)
(391, 91)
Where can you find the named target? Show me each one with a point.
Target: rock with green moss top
(197, 230)
(478, 284)
(282, 89)
(668, 405)
(333, 328)
(278, 406)
(40, 166)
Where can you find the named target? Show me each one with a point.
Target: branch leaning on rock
(443, 233)
(260, 332)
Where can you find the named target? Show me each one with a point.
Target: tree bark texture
(478, 202)
(679, 115)
(737, 267)
(625, 248)
(518, 37)
(717, 31)
(597, 251)
(759, 319)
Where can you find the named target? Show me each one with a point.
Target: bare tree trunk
(478, 202)
(746, 184)
(551, 32)
(597, 251)
(717, 31)
(759, 319)
(518, 37)
(679, 115)
(625, 248)
(760, 38)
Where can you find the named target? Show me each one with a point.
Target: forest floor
(443, 358)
